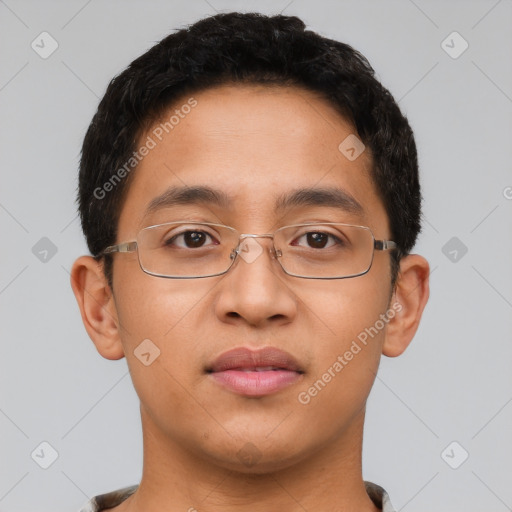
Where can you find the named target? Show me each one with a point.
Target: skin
(254, 143)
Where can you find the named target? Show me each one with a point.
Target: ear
(97, 306)
(409, 299)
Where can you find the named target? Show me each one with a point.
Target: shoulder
(379, 496)
(108, 500)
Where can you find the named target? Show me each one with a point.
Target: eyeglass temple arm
(126, 247)
(385, 245)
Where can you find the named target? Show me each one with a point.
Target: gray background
(454, 383)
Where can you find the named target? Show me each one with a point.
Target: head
(251, 49)
(255, 109)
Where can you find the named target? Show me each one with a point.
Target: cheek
(153, 307)
(353, 318)
(345, 308)
(161, 323)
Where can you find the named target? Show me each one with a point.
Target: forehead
(257, 146)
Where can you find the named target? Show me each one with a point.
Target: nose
(255, 290)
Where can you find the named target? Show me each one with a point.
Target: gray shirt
(104, 501)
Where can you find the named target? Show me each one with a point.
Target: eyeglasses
(188, 250)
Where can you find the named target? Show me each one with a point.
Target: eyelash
(337, 240)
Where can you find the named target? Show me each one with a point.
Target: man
(249, 193)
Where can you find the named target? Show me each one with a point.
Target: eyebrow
(175, 196)
(329, 197)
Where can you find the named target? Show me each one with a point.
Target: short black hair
(256, 49)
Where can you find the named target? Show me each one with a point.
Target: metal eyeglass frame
(132, 246)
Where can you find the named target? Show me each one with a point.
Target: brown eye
(191, 240)
(317, 240)
(194, 238)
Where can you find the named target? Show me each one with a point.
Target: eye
(191, 239)
(317, 240)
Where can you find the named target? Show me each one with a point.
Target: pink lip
(255, 373)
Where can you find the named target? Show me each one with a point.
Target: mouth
(255, 373)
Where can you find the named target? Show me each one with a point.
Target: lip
(255, 372)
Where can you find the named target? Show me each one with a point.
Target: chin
(254, 455)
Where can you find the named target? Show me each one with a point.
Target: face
(255, 146)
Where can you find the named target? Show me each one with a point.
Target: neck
(175, 479)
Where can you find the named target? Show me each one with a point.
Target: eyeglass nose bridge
(236, 251)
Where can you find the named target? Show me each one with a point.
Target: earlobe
(97, 306)
(409, 300)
